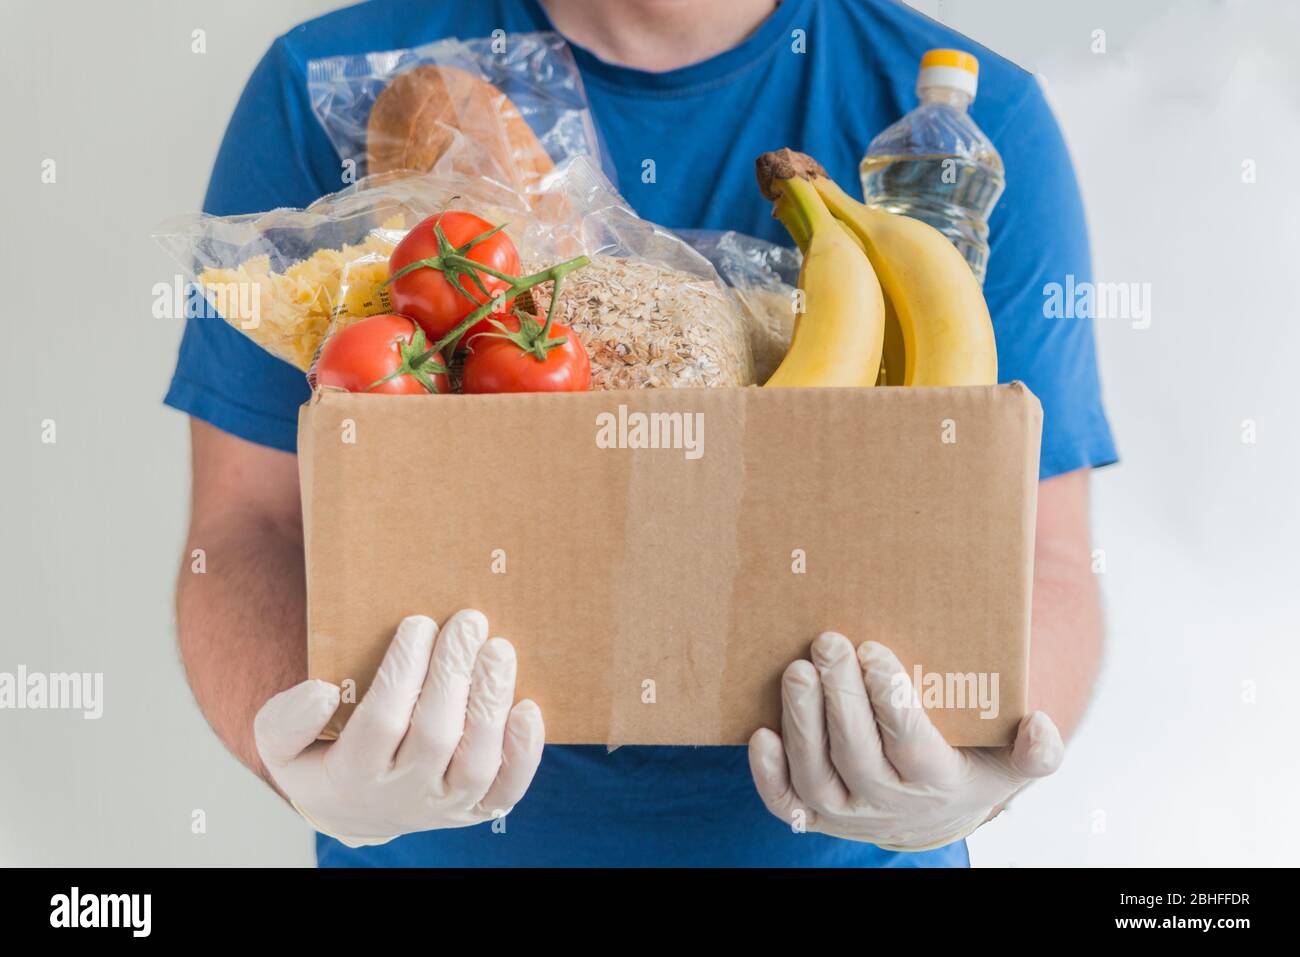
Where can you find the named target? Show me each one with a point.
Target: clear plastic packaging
(651, 310)
(517, 99)
(285, 276)
(764, 278)
(302, 272)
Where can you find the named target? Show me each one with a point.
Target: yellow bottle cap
(953, 68)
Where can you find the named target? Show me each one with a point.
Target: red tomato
(495, 364)
(428, 295)
(359, 355)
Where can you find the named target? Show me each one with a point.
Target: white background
(1188, 754)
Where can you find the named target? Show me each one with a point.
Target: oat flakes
(647, 326)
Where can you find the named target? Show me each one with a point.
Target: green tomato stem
(517, 286)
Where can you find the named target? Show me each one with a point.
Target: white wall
(1173, 763)
(93, 525)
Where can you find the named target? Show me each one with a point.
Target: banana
(893, 362)
(935, 301)
(839, 335)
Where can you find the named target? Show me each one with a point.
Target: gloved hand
(433, 743)
(861, 760)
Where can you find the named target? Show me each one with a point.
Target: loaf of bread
(411, 123)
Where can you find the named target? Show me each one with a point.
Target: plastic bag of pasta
(284, 277)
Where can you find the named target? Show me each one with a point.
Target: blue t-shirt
(826, 90)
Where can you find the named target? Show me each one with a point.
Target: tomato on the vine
(523, 355)
(437, 297)
(384, 353)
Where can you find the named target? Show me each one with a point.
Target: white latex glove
(433, 743)
(861, 759)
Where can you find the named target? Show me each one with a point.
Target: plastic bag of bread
(517, 100)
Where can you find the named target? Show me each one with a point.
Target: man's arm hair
(241, 622)
(1066, 643)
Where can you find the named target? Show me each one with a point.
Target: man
(700, 87)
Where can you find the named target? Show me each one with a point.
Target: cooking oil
(936, 164)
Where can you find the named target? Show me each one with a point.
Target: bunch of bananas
(887, 299)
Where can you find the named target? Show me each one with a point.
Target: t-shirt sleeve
(1039, 237)
(274, 154)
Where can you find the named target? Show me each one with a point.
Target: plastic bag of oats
(764, 278)
(651, 311)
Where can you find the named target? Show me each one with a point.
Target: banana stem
(794, 223)
(801, 210)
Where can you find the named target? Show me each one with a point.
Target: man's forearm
(242, 622)
(1066, 628)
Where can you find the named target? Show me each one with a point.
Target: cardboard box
(656, 594)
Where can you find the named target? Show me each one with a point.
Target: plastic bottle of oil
(935, 164)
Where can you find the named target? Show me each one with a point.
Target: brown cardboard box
(655, 594)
